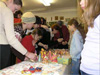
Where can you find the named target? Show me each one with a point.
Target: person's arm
(53, 43)
(45, 27)
(43, 45)
(9, 31)
(78, 44)
(10, 35)
(64, 42)
(65, 34)
(97, 22)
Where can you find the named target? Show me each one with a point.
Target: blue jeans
(83, 73)
(75, 67)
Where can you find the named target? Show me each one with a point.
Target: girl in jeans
(76, 46)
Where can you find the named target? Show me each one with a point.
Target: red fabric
(65, 33)
(56, 36)
(17, 20)
(27, 43)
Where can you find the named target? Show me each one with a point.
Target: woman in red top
(29, 42)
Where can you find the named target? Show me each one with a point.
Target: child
(90, 63)
(43, 43)
(29, 42)
(28, 20)
(75, 46)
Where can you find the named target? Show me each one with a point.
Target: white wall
(65, 13)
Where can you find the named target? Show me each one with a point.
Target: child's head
(14, 5)
(72, 25)
(28, 20)
(18, 14)
(91, 10)
(37, 33)
(55, 28)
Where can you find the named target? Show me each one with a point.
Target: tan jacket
(7, 35)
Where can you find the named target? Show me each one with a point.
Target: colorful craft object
(31, 70)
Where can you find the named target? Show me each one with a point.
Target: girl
(76, 46)
(90, 63)
(29, 42)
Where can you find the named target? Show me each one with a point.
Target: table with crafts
(49, 64)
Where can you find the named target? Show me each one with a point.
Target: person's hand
(18, 36)
(26, 59)
(31, 56)
(60, 39)
(45, 46)
(34, 42)
(64, 43)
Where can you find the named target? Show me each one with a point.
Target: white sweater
(90, 62)
(7, 35)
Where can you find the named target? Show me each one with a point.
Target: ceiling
(58, 5)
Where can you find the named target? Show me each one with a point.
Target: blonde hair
(91, 11)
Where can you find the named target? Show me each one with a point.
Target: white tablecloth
(64, 70)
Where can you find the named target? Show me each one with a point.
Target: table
(64, 70)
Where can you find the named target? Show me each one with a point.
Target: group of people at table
(25, 36)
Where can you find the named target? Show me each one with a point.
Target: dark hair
(44, 21)
(60, 23)
(38, 20)
(55, 26)
(78, 26)
(37, 31)
(18, 2)
(16, 13)
(73, 21)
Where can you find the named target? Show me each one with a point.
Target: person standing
(76, 46)
(90, 62)
(7, 35)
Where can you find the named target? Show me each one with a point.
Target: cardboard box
(64, 61)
